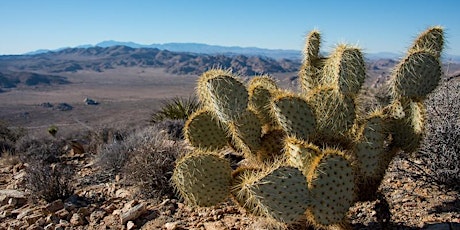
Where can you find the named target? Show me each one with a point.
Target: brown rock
(214, 226)
(77, 220)
(63, 214)
(31, 219)
(53, 206)
(130, 225)
(133, 213)
(171, 226)
(96, 216)
(34, 227)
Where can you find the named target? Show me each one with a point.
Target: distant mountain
(101, 58)
(200, 48)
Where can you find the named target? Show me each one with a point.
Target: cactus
(223, 94)
(331, 180)
(344, 68)
(312, 62)
(294, 115)
(308, 154)
(261, 90)
(279, 192)
(335, 114)
(246, 132)
(203, 179)
(202, 130)
(300, 154)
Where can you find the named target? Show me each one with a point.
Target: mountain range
(50, 67)
(201, 48)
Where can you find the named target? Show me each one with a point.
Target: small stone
(130, 225)
(31, 219)
(77, 220)
(52, 219)
(49, 226)
(34, 227)
(53, 206)
(133, 213)
(63, 214)
(171, 226)
(96, 216)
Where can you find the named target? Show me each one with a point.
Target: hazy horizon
(388, 26)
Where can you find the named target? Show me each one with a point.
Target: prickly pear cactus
(308, 155)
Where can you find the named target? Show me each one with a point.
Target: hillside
(103, 58)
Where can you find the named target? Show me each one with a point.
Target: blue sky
(376, 26)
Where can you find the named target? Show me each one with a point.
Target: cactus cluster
(309, 155)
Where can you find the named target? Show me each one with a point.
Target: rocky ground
(100, 203)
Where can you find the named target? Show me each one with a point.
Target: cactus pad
(345, 68)
(332, 186)
(294, 115)
(407, 132)
(417, 75)
(223, 94)
(279, 193)
(203, 179)
(202, 130)
(246, 132)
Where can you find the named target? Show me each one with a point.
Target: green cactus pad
(332, 185)
(294, 115)
(246, 132)
(431, 40)
(261, 90)
(335, 113)
(202, 130)
(312, 62)
(203, 179)
(370, 149)
(416, 76)
(407, 133)
(223, 94)
(202, 86)
(278, 193)
(345, 68)
(300, 154)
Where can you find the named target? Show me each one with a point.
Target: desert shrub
(8, 137)
(32, 149)
(440, 150)
(152, 163)
(173, 128)
(99, 138)
(177, 108)
(49, 181)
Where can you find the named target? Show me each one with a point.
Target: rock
(31, 219)
(122, 193)
(171, 226)
(24, 213)
(34, 227)
(133, 213)
(96, 216)
(11, 193)
(53, 206)
(77, 220)
(130, 225)
(62, 214)
(50, 226)
(90, 101)
(52, 219)
(214, 226)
